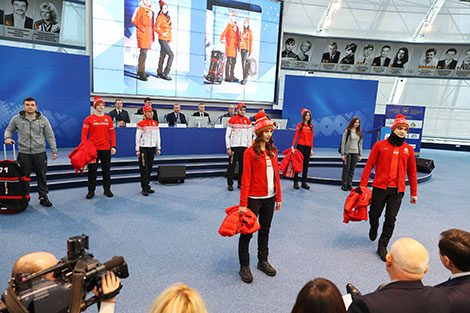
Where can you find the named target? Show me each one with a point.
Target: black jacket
(9, 21)
(171, 119)
(124, 116)
(376, 62)
(442, 65)
(458, 292)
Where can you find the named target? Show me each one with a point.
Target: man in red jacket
(393, 159)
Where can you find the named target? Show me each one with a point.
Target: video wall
(208, 49)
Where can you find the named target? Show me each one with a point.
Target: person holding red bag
(261, 190)
(304, 132)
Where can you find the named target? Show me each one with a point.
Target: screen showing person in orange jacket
(163, 29)
(261, 190)
(143, 20)
(246, 45)
(231, 37)
(351, 151)
(304, 132)
(393, 159)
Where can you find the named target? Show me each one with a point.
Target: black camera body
(40, 295)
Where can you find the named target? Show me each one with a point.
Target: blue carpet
(171, 236)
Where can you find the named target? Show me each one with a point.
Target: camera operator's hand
(109, 283)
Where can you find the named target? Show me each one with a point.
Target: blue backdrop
(59, 82)
(333, 103)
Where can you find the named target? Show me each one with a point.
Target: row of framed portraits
(361, 56)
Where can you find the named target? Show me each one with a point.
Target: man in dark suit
(407, 263)
(448, 63)
(383, 59)
(18, 18)
(176, 117)
(332, 56)
(454, 251)
(119, 115)
(201, 112)
(230, 113)
(148, 101)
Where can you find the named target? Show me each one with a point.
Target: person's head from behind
(407, 260)
(368, 50)
(290, 42)
(19, 7)
(176, 108)
(178, 298)
(319, 296)
(454, 250)
(147, 101)
(35, 262)
(118, 104)
(48, 12)
(29, 105)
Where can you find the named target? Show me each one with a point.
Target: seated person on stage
(260, 110)
(119, 115)
(178, 298)
(37, 261)
(201, 112)
(231, 112)
(148, 101)
(176, 117)
(406, 265)
(454, 251)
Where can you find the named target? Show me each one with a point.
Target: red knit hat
(233, 14)
(303, 111)
(262, 123)
(97, 100)
(147, 108)
(400, 120)
(162, 3)
(241, 105)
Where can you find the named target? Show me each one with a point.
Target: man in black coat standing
(407, 263)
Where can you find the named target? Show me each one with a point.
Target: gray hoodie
(31, 133)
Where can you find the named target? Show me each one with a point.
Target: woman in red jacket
(101, 130)
(304, 132)
(393, 159)
(163, 29)
(261, 189)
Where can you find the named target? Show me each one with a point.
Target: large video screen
(208, 49)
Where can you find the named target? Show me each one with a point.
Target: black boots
(245, 274)
(265, 267)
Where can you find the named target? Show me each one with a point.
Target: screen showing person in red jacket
(319, 296)
(393, 160)
(147, 138)
(163, 29)
(238, 136)
(304, 132)
(260, 192)
(246, 45)
(100, 129)
(143, 20)
(351, 151)
(231, 38)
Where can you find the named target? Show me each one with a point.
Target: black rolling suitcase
(171, 174)
(216, 68)
(14, 186)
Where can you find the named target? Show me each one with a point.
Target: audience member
(101, 130)
(33, 129)
(148, 101)
(454, 251)
(319, 296)
(406, 265)
(176, 117)
(179, 298)
(201, 112)
(230, 113)
(119, 115)
(238, 137)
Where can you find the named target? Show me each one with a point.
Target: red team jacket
(305, 135)
(291, 163)
(101, 130)
(163, 27)
(355, 208)
(234, 223)
(143, 21)
(231, 34)
(381, 157)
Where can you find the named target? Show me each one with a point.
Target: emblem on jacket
(405, 150)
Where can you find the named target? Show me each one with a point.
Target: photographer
(37, 261)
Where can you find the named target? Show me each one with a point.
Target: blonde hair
(179, 298)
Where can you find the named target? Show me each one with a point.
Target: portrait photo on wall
(331, 54)
(2, 16)
(401, 57)
(288, 48)
(349, 54)
(18, 18)
(365, 55)
(304, 50)
(382, 56)
(47, 20)
(429, 58)
(448, 59)
(464, 63)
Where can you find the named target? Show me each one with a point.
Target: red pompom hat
(262, 123)
(162, 3)
(97, 100)
(303, 111)
(241, 105)
(400, 120)
(147, 108)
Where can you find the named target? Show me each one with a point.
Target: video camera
(75, 276)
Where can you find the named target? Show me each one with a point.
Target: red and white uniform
(389, 173)
(260, 177)
(305, 135)
(147, 135)
(239, 132)
(101, 131)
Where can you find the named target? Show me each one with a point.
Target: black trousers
(305, 150)
(264, 209)
(245, 54)
(38, 163)
(389, 198)
(348, 170)
(104, 156)
(146, 158)
(165, 50)
(230, 67)
(142, 59)
(237, 156)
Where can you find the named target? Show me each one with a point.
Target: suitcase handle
(5, 151)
